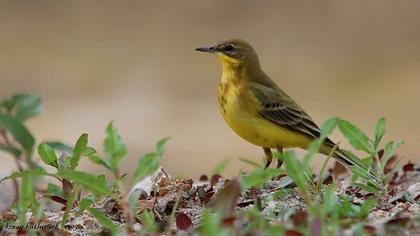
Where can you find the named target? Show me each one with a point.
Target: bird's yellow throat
(229, 67)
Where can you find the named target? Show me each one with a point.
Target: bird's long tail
(347, 160)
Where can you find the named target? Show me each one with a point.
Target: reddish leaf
(227, 197)
(299, 217)
(246, 203)
(390, 164)
(183, 222)
(59, 200)
(67, 186)
(338, 170)
(228, 221)
(381, 154)
(328, 180)
(369, 229)
(215, 179)
(408, 167)
(204, 178)
(293, 233)
(280, 176)
(398, 221)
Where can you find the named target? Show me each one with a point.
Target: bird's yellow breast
(239, 108)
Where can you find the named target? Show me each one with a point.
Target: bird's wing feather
(279, 108)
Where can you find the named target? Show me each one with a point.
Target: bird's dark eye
(229, 48)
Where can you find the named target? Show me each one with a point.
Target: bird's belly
(258, 131)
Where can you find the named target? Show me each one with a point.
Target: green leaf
(360, 172)
(160, 147)
(147, 165)
(328, 126)
(59, 146)
(83, 205)
(390, 149)
(96, 184)
(26, 106)
(366, 207)
(359, 230)
(281, 193)
(251, 162)
(47, 155)
(54, 190)
(220, 167)
(88, 151)
(80, 146)
(368, 188)
(19, 132)
(366, 162)
(356, 137)
(148, 222)
(36, 208)
(114, 146)
(326, 129)
(294, 170)
(346, 206)
(22, 106)
(379, 131)
(133, 199)
(258, 177)
(12, 150)
(7, 104)
(210, 224)
(105, 221)
(330, 199)
(34, 173)
(275, 230)
(97, 160)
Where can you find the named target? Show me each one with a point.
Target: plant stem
(69, 205)
(124, 205)
(321, 173)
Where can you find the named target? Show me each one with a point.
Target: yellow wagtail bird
(258, 110)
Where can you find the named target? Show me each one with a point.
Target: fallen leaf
(338, 170)
(408, 167)
(293, 233)
(203, 178)
(183, 222)
(369, 229)
(227, 197)
(215, 179)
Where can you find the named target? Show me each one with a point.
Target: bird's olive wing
(291, 117)
(280, 109)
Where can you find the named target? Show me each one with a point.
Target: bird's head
(233, 52)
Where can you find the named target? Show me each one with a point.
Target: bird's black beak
(210, 49)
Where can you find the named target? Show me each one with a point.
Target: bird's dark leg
(279, 162)
(268, 157)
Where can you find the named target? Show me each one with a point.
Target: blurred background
(134, 62)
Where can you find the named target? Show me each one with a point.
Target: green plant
(374, 162)
(326, 213)
(74, 183)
